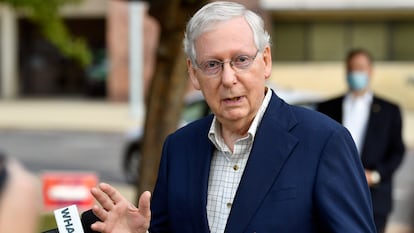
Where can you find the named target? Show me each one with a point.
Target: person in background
(20, 198)
(257, 164)
(375, 125)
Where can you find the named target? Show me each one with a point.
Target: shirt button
(235, 167)
(229, 205)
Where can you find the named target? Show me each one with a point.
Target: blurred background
(78, 77)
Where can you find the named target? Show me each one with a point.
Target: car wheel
(132, 159)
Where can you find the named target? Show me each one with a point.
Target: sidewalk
(51, 114)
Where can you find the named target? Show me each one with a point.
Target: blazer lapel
(272, 147)
(198, 178)
(337, 109)
(374, 123)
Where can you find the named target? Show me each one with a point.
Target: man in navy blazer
(303, 175)
(257, 164)
(376, 127)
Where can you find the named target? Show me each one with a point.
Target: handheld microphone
(68, 221)
(88, 218)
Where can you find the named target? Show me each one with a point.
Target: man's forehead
(225, 35)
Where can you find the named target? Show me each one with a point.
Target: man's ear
(267, 59)
(191, 73)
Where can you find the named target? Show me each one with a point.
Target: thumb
(144, 203)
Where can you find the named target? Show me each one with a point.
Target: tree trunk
(165, 100)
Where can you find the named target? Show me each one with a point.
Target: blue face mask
(357, 80)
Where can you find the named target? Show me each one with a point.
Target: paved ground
(66, 115)
(110, 117)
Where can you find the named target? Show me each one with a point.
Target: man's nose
(228, 74)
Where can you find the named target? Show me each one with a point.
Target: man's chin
(233, 115)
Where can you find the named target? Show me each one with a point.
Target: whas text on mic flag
(67, 220)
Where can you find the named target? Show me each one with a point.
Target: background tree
(168, 87)
(45, 14)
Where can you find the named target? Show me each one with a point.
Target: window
(329, 41)
(402, 46)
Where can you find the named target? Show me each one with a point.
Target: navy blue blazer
(383, 148)
(303, 175)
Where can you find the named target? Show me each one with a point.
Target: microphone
(88, 218)
(68, 221)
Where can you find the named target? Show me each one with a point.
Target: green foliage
(45, 13)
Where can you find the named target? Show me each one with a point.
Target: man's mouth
(233, 99)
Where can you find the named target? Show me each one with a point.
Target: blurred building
(31, 66)
(310, 39)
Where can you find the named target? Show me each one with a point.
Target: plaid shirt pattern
(227, 168)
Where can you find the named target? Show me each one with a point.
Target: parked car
(195, 107)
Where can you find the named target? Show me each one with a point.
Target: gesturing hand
(117, 214)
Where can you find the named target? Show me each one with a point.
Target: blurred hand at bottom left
(20, 198)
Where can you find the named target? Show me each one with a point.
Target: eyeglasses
(238, 63)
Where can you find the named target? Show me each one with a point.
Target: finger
(100, 213)
(102, 198)
(144, 204)
(98, 226)
(112, 193)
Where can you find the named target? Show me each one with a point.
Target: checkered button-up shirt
(227, 168)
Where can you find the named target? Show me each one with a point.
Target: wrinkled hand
(117, 214)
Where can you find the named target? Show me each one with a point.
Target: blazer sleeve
(332, 108)
(159, 200)
(342, 196)
(395, 149)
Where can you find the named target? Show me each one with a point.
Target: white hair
(220, 11)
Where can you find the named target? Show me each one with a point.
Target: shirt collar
(215, 128)
(366, 98)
